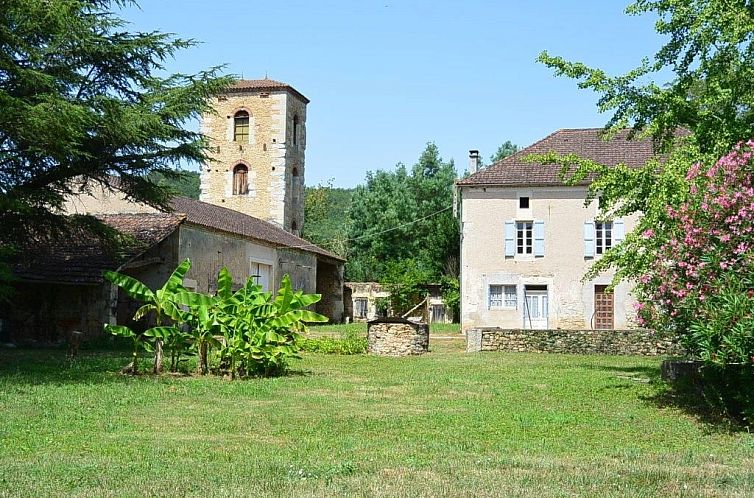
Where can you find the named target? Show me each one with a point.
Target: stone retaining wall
(397, 337)
(616, 342)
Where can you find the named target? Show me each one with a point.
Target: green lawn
(443, 424)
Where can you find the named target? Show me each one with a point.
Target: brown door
(603, 308)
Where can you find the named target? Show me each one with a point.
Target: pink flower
(648, 233)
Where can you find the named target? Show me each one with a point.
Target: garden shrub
(701, 287)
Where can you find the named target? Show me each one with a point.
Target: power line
(397, 227)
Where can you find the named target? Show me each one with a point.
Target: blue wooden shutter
(589, 239)
(539, 238)
(619, 231)
(510, 238)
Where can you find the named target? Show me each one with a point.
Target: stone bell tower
(258, 139)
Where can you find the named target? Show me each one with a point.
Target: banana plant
(160, 302)
(203, 317)
(262, 330)
(139, 341)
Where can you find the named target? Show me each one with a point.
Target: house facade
(528, 239)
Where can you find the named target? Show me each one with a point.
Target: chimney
(473, 161)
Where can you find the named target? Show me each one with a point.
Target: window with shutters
(524, 239)
(599, 236)
(241, 127)
(240, 180)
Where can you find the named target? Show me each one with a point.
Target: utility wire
(402, 225)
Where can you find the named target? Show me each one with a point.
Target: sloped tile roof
(82, 257)
(262, 85)
(228, 220)
(588, 143)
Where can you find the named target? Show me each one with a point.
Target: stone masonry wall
(614, 342)
(270, 155)
(397, 338)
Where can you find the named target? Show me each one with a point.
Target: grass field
(443, 424)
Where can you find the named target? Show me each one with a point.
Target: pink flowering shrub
(701, 285)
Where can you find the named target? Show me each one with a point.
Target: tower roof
(263, 85)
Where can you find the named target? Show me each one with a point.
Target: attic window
(523, 202)
(264, 95)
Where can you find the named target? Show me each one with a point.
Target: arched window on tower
(240, 180)
(241, 127)
(295, 130)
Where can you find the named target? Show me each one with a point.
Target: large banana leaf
(131, 286)
(224, 284)
(175, 282)
(120, 330)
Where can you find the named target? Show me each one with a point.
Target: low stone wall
(615, 342)
(397, 337)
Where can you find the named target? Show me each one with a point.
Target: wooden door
(604, 308)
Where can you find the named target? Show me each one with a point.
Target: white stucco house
(527, 240)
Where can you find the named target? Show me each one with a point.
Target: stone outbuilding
(61, 288)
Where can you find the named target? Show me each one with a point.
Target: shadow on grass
(40, 366)
(716, 404)
(48, 365)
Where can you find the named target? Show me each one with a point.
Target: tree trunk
(203, 366)
(157, 356)
(135, 363)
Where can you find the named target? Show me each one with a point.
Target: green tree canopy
(400, 215)
(506, 149)
(326, 218)
(82, 104)
(710, 56)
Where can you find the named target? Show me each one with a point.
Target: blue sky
(386, 77)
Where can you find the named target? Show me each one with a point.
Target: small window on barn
(360, 307)
(240, 180)
(241, 127)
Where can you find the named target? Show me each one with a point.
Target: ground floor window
(503, 296)
(360, 307)
(438, 313)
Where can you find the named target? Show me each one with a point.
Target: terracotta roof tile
(228, 220)
(262, 85)
(81, 258)
(587, 143)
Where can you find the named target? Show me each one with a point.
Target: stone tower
(258, 139)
